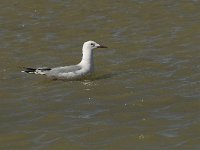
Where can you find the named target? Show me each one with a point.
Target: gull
(73, 72)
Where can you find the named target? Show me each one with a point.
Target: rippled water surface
(143, 96)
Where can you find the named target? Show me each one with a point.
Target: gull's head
(90, 45)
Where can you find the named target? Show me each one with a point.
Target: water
(144, 94)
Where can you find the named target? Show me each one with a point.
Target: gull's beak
(101, 46)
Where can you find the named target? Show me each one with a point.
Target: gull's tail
(36, 71)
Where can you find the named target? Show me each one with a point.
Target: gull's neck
(87, 58)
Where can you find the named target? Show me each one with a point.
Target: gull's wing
(66, 69)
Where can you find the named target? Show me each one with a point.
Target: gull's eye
(92, 44)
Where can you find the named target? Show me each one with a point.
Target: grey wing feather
(65, 69)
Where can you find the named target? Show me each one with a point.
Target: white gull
(84, 68)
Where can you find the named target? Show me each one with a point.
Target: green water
(145, 91)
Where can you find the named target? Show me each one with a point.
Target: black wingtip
(29, 70)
